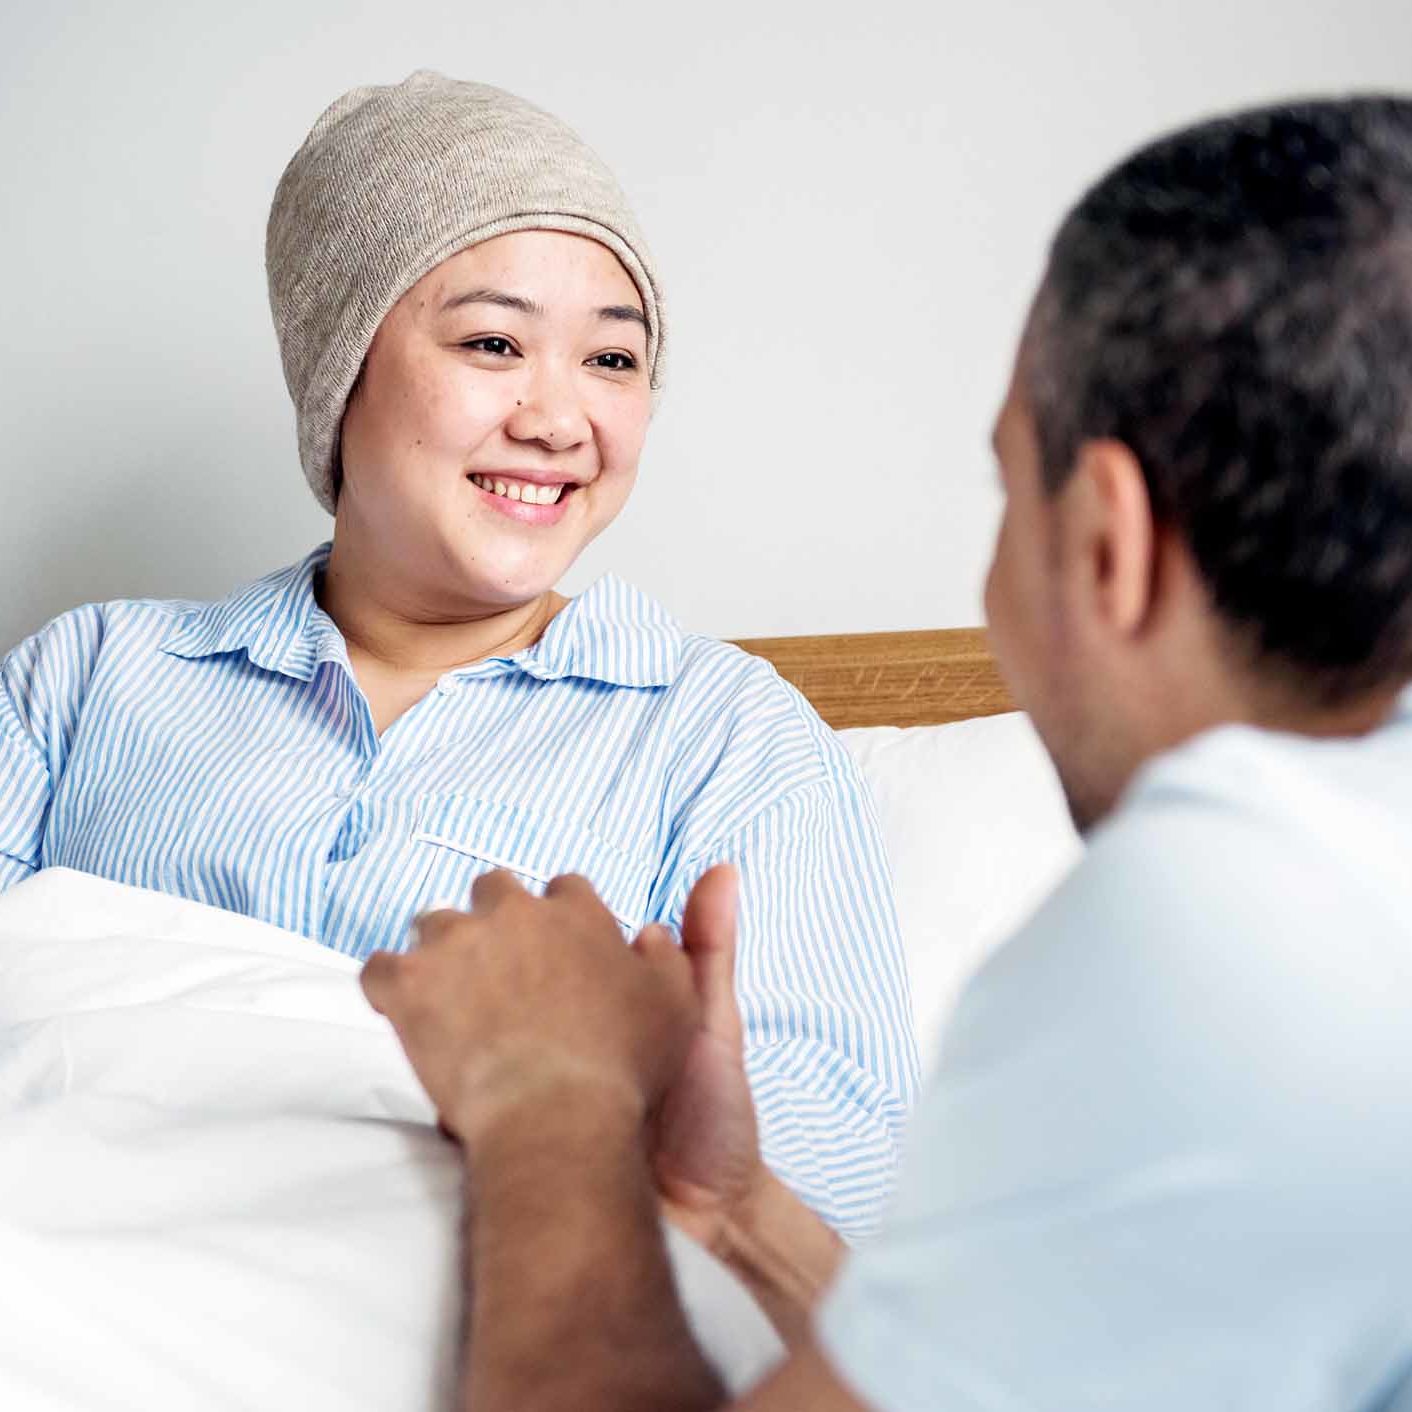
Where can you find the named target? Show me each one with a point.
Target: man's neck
(1203, 676)
(1291, 707)
(1190, 691)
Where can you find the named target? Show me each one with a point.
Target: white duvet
(220, 1183)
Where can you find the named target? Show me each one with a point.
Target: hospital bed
(222, 1187)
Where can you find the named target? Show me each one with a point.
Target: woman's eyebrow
(493, 296)
(623, 313)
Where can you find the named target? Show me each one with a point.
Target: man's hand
(528, 1000)
(546, 1044)
(705, 1145)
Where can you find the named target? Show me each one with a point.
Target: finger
(380, 978)
(571, 887)
(708, 934)
(491, 889)
(656, 941)
(658, 948)
(578, 893)
(431, 928)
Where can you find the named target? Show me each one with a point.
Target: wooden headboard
(891, 678)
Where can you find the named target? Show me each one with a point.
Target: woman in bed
(472, 332)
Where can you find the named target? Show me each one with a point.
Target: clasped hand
(536, 1002)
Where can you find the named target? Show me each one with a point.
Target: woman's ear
(1112, 534)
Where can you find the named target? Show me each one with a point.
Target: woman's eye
(614, 362)
(491, 343)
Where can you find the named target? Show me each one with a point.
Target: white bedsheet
(220, 1183)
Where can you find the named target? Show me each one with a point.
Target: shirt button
(446, 685)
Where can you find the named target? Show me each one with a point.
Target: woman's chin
(506, 585)
(506, 570)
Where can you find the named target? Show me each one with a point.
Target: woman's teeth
(520, 490)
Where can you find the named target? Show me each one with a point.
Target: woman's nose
(550, 413)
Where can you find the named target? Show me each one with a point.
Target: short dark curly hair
(1234, 303)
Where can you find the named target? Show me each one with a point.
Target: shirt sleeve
(24, 793)
(1156, 1166)
(822, 984)
(42, 682)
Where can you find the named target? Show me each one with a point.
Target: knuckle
(436, 928)
(571, 882)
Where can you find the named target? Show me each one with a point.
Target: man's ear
(1112, 534)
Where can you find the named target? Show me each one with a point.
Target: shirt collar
(610, 633)
(276, 622)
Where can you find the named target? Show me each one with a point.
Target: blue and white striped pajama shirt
(225, 753)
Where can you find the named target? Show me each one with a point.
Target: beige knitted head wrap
(391, 182)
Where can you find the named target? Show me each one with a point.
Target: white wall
(849, 203)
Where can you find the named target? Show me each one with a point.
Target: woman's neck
(387, 629)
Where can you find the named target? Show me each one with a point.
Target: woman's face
(497, 423)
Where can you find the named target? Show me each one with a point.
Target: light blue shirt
(1166, 1161)
(225, 753)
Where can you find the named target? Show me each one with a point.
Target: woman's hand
(705, 1144)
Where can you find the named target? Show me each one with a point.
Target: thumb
(708, 935)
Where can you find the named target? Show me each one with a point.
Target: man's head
(1207, 446)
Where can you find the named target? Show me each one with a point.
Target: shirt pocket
(469, 836)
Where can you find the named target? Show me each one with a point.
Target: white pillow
(977, 833)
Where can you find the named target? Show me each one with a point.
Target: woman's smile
(529, 502)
